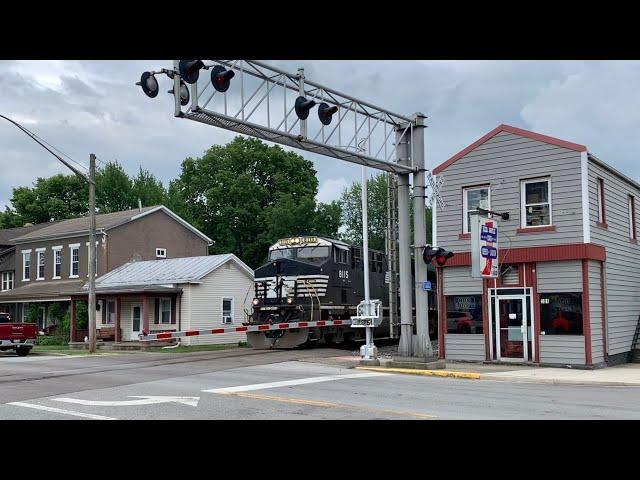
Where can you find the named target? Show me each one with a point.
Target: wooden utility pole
(91, 307)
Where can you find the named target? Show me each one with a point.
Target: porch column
(145, 313)
(72, 320)
(118, 309)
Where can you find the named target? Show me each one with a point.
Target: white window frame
(57, 254)
(106, 311)
(465, 212)
(40, 253)
(163, 299)
(7, 281)
(161, 249)
(72, 247)
(222, 315)
(524, 205)
(631, 204)
(600, 195)
(26, 253)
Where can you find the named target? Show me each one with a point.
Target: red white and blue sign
(484, 247)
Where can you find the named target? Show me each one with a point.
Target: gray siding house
(569, 284)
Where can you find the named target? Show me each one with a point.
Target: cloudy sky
(84, 107)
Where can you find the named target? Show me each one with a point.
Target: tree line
(244, 195)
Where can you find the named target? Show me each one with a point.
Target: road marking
(319, 403)
(144, 400)
(426, 373)
(287, 383)
(60, 410)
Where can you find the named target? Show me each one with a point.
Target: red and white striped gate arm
(248, 328)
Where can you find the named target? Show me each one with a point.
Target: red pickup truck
(15, 336)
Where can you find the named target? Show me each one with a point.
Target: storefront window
(464, 314)
(561, 313)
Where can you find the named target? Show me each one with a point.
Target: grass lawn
(56, 350)
(197, 348)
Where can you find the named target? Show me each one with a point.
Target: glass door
(135, 321)
(511, 341)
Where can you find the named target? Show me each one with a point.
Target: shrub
(33, 312)
(52, 340)
(82, 316)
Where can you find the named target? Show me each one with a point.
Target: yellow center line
(319, 403)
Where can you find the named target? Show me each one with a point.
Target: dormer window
(161, 253)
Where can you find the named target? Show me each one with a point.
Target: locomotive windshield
(302, 253)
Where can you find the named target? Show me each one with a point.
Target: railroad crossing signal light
(303, 106)
(149, 84)
(443, 256)
(439, 254)
(325, 112)
(190, 70)
(221, 78)
(184, 93)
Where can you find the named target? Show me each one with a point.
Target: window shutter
(156, 313)
(173, 310)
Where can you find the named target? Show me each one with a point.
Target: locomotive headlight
(289, 300)
(256, 301)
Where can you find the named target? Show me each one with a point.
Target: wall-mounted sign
(484, 247)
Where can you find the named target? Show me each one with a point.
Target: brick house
(50, 261)
(569, 285)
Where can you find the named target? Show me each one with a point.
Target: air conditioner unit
(226, 319)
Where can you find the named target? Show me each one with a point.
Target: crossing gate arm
(244, 329)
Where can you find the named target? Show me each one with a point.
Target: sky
(84, 107)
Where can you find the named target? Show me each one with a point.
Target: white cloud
(331, 189)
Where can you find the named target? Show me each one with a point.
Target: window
(110, 312)
(313, 252)
(357, 257)
(601, 216)
(474, 198)
(161, 253)
(281, 253)
(340, 255)
(536, 203)
(26, 265)
(40, 253)
(75, 261)
(561, 313)
(227, 310)
(57, 262)
(7, 281)
(464, 314)
(164, 310)
(632, 217)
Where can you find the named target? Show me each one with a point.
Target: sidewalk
(620, 375)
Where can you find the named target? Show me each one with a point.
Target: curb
(552, 381)
(425, 373)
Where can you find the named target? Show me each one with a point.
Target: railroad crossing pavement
(302, 384)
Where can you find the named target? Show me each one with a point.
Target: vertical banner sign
(484, 247)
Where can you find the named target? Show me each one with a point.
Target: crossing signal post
(362, 133)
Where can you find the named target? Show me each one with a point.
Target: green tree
(114, 189)
(328, 219)
(33, 313)
(245, 195)
(10, 219)
(82, 315)
(55, 198)
(351, 204)
(148, 189)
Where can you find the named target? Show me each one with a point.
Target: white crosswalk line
(60, 410)
(287, 383)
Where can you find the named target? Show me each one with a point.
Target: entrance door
(136, 315)
(512, 342)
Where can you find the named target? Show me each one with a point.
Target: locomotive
(311, 278)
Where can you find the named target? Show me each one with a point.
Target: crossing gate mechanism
(247, 328)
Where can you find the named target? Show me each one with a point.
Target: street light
(90, 179)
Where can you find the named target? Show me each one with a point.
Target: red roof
(515, 131)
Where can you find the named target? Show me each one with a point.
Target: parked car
(16, 336)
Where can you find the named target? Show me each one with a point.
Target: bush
(82, 316)
(33, 312)
(52, 340)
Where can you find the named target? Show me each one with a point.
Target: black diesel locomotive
(314, 278)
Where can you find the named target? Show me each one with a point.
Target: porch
(121, 316)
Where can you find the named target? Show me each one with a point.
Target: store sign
(484, 247)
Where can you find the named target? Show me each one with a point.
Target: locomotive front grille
(303, 285)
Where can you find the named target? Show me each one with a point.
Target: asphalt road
(245, 384)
